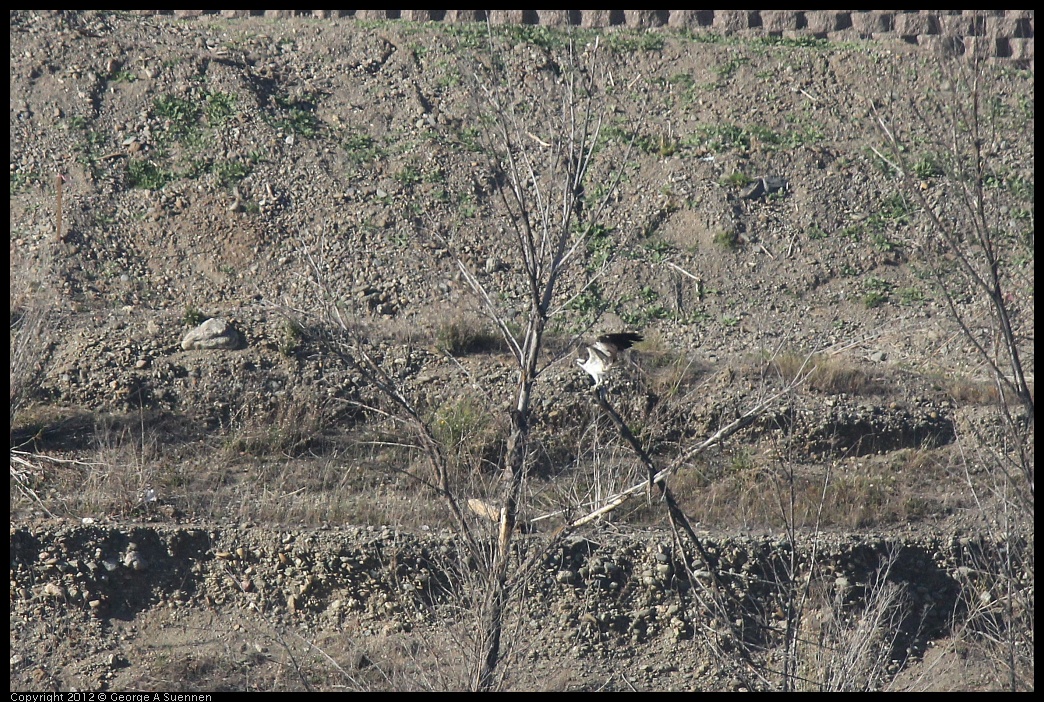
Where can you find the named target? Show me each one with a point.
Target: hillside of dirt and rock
(205, 496)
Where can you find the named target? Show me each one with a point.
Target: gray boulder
(215, 333)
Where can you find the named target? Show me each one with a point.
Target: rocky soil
(155, 607)
(209, 509)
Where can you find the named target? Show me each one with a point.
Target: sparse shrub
(741, 462)
(468, 433)
(409, 175)
(847, 647)
(32, 306)
(289, 426)
(663, 145)
(461, 336)
(181, 114)
(230, 172)
(815, 233)
(853, 232)
(910, 296)
(147, 175)
(877, 292)
(969, 391)
(300, 122)
(362, 148)
(874, 298)
(881, 242)
(601, 246)
(765, 136)
(297, 116)
(893, 209)
(193, 317)
(19, 181)
(727, 239)
(589, 302)
(720, 138)
(927, 167)
(658, 250)
(219, 107)
(291, 339)
(30, 341)
(736, 180)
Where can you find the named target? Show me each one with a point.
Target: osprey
(601, 355)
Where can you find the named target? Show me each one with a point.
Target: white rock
(215, 333)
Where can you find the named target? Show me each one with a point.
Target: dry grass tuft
(971, 391)
(32, 304)
(669, 373)
(746, 490)
(472, 438)
(826, 374)
(466, 335)
(848, 649)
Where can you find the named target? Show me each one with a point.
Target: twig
(887, 160)
(16, 456)
(17, 479)
(538, 140)
(808, 95)
(58, 204)
(699, 283)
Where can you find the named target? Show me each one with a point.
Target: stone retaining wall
(1002, 35)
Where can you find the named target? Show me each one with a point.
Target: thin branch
(491, 309)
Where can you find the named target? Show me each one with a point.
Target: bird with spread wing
(602, 354)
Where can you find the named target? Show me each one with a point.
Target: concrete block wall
(1002, 35)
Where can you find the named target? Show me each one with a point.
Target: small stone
(53, 590)
(134, 560)
(565, 576)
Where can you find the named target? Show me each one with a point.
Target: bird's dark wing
(620, 341)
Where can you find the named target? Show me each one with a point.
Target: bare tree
(967, 225)
(553, 174)
(542, 139)
(972, 251)
(543, 193)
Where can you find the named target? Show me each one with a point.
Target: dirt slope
(214, 165)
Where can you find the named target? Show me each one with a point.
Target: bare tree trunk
(511, 478)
